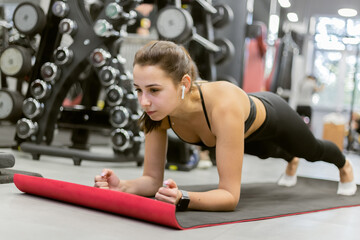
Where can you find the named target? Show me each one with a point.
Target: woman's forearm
(143, 186)
(214, 200)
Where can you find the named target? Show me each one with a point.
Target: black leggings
(285, 135)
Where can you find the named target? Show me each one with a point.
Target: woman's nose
(144, 101)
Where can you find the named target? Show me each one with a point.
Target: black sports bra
(248, 122)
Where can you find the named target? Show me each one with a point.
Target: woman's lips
(150, 112)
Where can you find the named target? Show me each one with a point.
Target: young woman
(214, 114)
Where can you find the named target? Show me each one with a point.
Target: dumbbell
(32, 108)
(226, 52)
(29, 19)
(121, 116)
(25, 128)
(176, 24)
(39, 89)
(114, 95)
(124, 139)
(103, 28)
(115, 11)
(67, 26)
(223, 16)
(15, 61)
(63, 55)
(10, 105)
(99, 57)
(108, 75)
(60, 9)
(50, 72)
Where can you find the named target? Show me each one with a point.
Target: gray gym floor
(24, 216)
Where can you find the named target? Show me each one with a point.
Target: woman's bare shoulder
(226, 99)
(224, 92)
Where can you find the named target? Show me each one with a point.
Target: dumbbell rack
(95, 43)
(192, 23)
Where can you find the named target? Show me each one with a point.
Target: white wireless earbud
(182, 91)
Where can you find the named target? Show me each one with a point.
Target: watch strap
(184, 201)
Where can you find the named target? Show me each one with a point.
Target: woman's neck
(188, 106)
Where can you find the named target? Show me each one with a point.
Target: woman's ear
(186, 81)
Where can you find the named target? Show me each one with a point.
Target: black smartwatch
(183, 201)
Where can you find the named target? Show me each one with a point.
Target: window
(336, 44)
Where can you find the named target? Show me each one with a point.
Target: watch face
(6, 104)
(26, 18)
(11, 61)
(172, 23)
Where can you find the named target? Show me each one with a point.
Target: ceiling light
(274, 24)
(284, 3)
(292, 17)
(347, 12)
(351, 40)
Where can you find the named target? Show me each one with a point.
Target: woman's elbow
(232, 204)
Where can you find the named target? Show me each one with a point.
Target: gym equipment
(177, 25)
(32, 108)
(282, 79)
(16, 57)
(223, 16)
(29, 18)
(15, 61)
(26, 128)
(226, 50)
(7, 160)
(235, 32)
(39, 89)
(10, 105)
(91, 59)
(121, 116)
(50, 72)
(67, 26)
(193, 22)
(259, 201)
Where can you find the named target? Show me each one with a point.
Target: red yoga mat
(126, 204)
(259, 201)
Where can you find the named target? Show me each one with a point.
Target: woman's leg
(285, 128)
(291, 134)
(292, 166)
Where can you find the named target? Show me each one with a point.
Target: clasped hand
(169, 192)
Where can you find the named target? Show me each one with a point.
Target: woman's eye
(154, 90)
(138, 90)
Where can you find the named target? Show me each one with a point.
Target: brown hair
(173, 59)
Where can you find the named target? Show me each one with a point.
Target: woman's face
(157, 94)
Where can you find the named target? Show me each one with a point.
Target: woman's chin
(155, 118)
